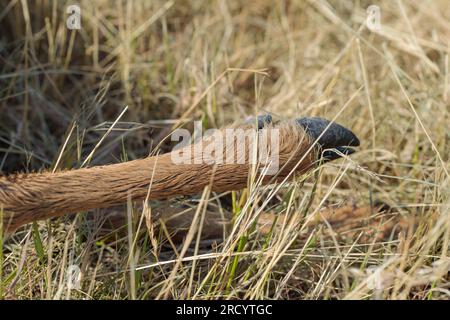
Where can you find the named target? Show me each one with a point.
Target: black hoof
(334, 137)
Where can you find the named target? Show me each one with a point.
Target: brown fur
(26, 198)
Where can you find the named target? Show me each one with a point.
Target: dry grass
(220, 61)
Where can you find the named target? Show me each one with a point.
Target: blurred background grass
(172, 62)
